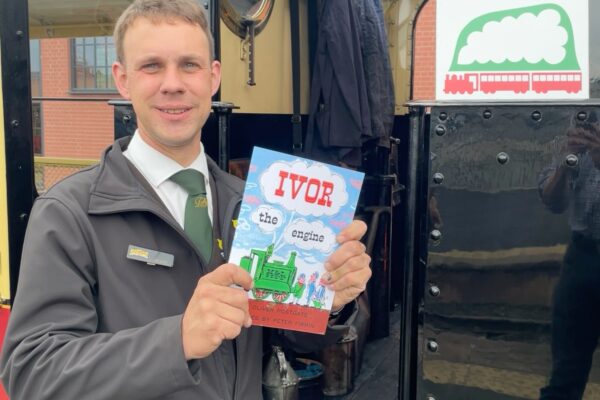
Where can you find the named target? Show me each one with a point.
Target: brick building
(75, 120)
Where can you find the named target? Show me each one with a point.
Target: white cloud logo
(308, 236)
(539, 38)
(308, 190)
(267, 218)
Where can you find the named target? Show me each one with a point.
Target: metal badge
(150, 257)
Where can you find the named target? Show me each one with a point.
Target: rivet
(582, 115)
(432, 346)
(23, 216)
(15, 123)
(487, 114)
(571, 160)
(443, 116)
(440, 130)
(438, 177)
(430, 398)
(536, 115)
(434, 290)
(435, 235)
(502, 158)
(126, 118)
(19, 34)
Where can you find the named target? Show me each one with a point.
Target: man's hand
(348, 269)
(216, 311)
(581, 139)
(576, 141)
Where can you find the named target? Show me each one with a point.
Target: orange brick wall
(424, 59)
(70, 129)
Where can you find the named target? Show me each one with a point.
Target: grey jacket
(90, 323)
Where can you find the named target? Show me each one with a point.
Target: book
(291, 213)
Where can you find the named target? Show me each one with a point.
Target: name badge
(150, 257)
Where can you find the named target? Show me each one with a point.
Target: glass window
(36, 112)
(36, 91)
(91, 60)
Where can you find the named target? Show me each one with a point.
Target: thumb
(230, 274)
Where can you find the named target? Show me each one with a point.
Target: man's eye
(150, 67)
(191, 66)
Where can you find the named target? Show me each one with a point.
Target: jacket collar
(116, 187)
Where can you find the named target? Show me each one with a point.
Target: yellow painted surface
(4, 261)
(273, 66)
(62, 161)
(399, 20)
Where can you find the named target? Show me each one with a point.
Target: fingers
(348, 270)
(217, 311)
(343, 253)
(353, 273)
(354, 231)
(218, 285)
(222, 317)
(350, 280)
(211, 295)
(201, 336)
(591, 138)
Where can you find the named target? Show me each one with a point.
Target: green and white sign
(512, 50)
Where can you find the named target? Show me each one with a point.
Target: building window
(36, 92)
(91, 61)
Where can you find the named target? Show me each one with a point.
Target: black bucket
(338, 364)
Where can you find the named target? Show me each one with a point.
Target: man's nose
(172, 80)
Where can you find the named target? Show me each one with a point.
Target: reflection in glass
(571, 184)
(92, 60)
(238, 14)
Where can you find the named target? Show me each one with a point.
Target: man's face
(169, 78)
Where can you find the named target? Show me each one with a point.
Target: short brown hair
(158, 11)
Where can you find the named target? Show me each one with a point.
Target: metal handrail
(64, 161)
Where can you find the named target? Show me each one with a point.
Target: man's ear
(120, 77)
(215, 72)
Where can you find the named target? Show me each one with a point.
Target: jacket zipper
(226, 224)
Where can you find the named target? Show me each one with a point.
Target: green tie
(196, 221)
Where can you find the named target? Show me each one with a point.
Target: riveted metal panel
(495, 252)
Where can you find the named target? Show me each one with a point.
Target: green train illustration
(271, 277)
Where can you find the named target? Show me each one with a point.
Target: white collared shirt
(157, 168)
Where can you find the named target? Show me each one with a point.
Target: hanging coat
(378, 71)
(339, 118)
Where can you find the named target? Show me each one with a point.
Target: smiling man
(124, 292)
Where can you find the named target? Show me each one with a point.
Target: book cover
(292, 211)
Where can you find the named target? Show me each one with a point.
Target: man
(115, 301)
(575, 190)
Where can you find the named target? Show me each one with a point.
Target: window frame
(74, 89)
